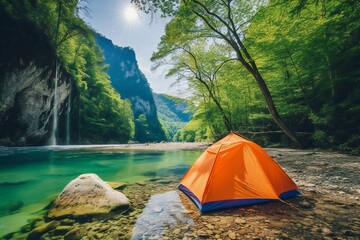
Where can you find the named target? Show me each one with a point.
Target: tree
(41, 32)
(309, 49)
(194, 63)
(220, 20)
(142, 128)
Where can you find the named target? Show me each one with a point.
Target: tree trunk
(226, 119)
(252, 68)
(272, 109)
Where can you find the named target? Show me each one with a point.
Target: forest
(279, 72)
(282, 73)
(173, 112)
(52, 34)
(83, 137)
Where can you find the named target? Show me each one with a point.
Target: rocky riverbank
(328, 209)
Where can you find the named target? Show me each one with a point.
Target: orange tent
(235, 172)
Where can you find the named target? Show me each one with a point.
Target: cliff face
(27, 91)
(131, 83)
(27, 97)
(46, 40)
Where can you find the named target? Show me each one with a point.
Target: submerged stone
(117, 185)
(75, 234)
(10, 184)
(162, 211)
(61, 230)
(141, 183)
(10, 208)
(41, 230)
(87, 195)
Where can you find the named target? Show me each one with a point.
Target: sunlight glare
(131, 15)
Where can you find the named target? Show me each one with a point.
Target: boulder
(87, 195)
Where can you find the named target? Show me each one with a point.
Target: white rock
(87, 195)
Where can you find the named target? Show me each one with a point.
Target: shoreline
(328, 209)
(166, 146)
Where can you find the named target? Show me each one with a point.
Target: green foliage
(134, 87)
(173, 113)
(199, 129)
(308, 52)
(166, 7)
(311, 54)
(142, 128)
(105, 117)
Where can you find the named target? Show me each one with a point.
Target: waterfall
(68, 119)
(55, 107)
(79, 121)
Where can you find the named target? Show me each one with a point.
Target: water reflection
(162, 210)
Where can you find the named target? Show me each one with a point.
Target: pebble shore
(328, 209)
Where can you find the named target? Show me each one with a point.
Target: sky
(109, 18)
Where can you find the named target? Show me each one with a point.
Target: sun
(131, 15)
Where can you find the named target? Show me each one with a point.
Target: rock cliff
(27, 93)
(27, 97)
(46, 40)
(131, 83)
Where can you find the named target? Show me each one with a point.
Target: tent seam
(266, 177)
(212, 168)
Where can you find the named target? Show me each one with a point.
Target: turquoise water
(162, 210)
(30, 177)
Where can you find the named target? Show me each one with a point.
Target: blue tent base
(218, 205)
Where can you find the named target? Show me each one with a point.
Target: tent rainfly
(235, 172)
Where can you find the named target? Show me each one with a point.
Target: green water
(30, 177)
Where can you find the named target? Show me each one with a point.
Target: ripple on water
(163, 210)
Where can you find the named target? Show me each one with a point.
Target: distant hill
(131, 83)
(173, 112)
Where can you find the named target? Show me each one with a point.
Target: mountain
(172, 111)
(132, 84)
(53, 87)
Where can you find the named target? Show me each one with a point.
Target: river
(30, 177)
